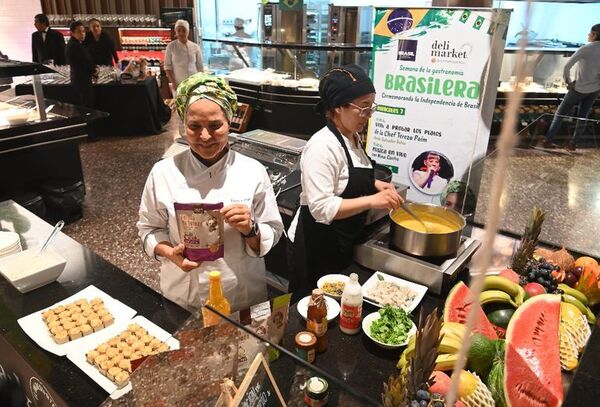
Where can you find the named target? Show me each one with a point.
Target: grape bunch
(540, 271)
(425, 399)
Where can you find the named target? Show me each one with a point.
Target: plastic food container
(28, 270)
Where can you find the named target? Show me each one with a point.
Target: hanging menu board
(436, 73)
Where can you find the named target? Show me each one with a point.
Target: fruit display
(533, 323)
(532, 371)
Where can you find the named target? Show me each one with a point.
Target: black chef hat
(342, 85)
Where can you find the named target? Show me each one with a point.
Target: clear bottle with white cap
(352, 300)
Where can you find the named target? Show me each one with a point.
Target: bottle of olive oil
(216, 300)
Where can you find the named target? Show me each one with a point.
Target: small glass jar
(316, 392)
(305, 346)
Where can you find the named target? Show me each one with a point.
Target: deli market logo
(407, 50)
(445, 51)
(39, 392)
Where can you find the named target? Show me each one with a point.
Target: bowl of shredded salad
(390, 327)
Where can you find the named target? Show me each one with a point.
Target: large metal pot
(383, 173)
(427, 244)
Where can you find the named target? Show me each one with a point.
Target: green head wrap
(462, 189)
(205, 86)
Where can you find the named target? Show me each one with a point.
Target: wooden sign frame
(258, 362)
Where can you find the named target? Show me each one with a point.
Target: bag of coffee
(201, 229)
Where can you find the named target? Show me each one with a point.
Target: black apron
(321, 249)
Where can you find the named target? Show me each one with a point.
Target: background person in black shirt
(47, 44)
(100, 45)
(82, 66)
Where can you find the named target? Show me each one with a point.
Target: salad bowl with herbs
(390, 327)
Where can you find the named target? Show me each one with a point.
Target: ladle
(59, 225)
(414, 215)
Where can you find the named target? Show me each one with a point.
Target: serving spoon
(414, 215)
(59, 225)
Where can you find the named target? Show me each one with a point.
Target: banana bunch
(452, 334)
(500, 289)
(578, 299)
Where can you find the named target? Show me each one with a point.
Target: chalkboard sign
(258, 389)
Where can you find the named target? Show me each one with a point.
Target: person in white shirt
(182, 56)
(338, 182)
(209, 172)
(581, 92)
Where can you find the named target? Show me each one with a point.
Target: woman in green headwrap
(458, 196)
(209, 172)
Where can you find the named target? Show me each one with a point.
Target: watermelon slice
(457, 308)
(532, 370)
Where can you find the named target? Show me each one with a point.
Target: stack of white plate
(9, 243)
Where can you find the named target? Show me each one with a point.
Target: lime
(481, 355)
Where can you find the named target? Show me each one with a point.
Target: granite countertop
(83, 268)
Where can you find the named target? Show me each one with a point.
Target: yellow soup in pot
(435, 224)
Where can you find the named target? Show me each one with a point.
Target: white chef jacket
(233, 179)
(324, 175)
(183, 59)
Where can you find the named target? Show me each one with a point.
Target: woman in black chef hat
(338, 182)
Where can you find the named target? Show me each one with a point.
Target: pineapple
(400, 389)
(529, 241)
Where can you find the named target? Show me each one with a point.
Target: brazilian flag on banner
(285, 5)
(465, 16)
(478, 23)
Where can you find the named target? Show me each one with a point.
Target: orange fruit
(586, 262)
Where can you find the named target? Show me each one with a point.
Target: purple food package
(201, 229)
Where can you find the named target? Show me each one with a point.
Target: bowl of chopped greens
(390, 327)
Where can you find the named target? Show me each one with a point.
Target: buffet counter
(354, 366)
(37, 150)
(134, 108)
(56, 376)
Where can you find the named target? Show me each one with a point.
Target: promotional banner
(435, 72)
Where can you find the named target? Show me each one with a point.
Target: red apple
(534, 289)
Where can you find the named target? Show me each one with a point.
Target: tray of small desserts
(108, 359)
(63, 326)
(99, 334)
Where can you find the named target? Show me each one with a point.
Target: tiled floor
(566, 186)
(115, 170)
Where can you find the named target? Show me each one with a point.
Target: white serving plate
(366, 327)
(419, 289)
(332, 277)
(77, 355)
(333, 308)
(35, 327)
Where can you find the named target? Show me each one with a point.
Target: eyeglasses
(365, 111)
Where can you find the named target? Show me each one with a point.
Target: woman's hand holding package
(175, 254)
(386, 199)
(238, 217)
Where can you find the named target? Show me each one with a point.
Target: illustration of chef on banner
(435, 72)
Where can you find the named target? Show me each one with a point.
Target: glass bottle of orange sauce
(316, 319)
(216, 300)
